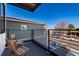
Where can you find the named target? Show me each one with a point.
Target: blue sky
(49, 14)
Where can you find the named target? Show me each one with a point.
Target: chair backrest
(11, 45)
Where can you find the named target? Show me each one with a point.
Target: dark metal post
(32, 34)
(7, 33)
(48, 38)
(4, 17)
(0, 17)
(3, 21)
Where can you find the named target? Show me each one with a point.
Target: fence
(60, 38)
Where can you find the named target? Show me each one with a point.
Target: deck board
(34, 50)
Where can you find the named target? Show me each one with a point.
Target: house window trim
(25, 27)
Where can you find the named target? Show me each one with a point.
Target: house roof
(23, 20)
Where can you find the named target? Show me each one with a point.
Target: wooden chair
(17, 51)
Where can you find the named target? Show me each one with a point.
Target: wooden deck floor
(34, 50)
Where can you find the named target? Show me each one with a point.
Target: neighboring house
(14, 23)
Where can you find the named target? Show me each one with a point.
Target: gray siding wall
(16, 25)
(24, 34)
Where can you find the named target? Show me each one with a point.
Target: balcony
(43, 42)
(34, 50)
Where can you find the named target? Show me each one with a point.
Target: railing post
(32, 34)
(3, 29)
(3, 19)
(7, 33)
(48, 38)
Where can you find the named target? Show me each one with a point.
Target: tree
(61, 25)
(71, 26)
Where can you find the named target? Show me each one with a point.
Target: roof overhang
(27, 6)
(11, 19)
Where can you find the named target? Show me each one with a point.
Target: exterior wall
(17, 25)
(23, 34)
(2, 42)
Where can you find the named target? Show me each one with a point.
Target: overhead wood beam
(27, 6)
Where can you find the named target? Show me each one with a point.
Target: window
(23, 27)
